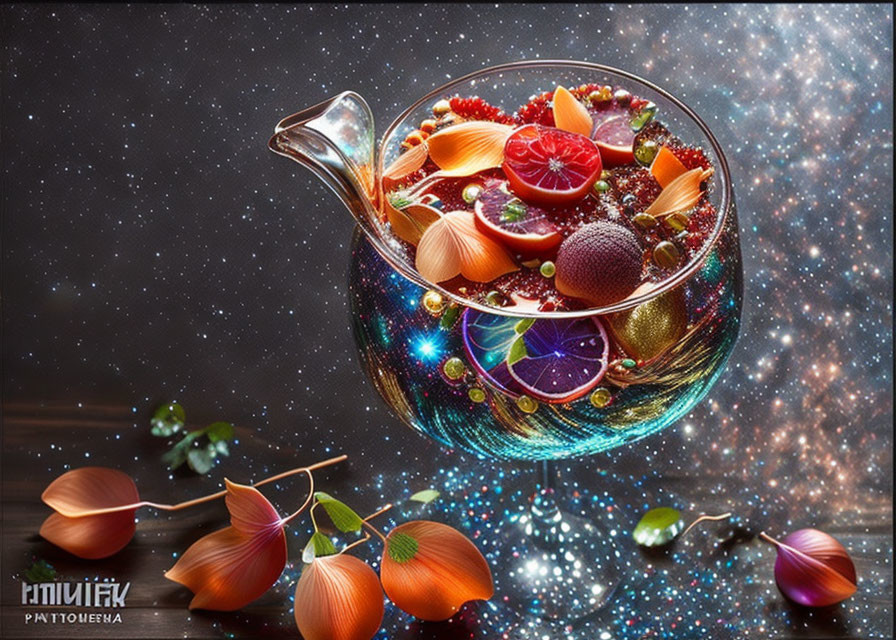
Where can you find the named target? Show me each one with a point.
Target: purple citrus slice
(487, 341)
(522, 227)
(557, 361)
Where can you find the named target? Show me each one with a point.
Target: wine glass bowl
(447, 363)
(413, 336)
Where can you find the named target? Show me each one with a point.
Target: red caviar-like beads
(691, 157)
(478, 109)
(537, 110)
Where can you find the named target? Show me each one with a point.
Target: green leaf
(400, 199)
(449, 317)
(426, 496)
(318, 546)
(199, 461)
(658, 527)
(517, 351)
(340, 513)
(177, 455)
(168, 420)
(218, 431)
(402, 547)
(524, 325)
(222, 448)
(40, 571)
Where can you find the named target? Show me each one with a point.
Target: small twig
(703, 518)
(213, 496)
(768, 538)
(356, 543)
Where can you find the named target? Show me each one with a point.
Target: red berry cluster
(537, 110)
(478, 109)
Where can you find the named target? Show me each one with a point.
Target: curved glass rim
(628, 303)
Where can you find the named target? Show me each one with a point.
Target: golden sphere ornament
(434, 303)
(650, 329)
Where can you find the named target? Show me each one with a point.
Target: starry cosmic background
(155, 250)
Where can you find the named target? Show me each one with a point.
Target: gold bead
(666, 254)
(434, 303)
(527, 404)
(601, 397)
(677, 221)
(441, 107)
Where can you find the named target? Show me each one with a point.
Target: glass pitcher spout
(335, 139)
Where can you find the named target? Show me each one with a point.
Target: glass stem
(545, 514)
(548, 470)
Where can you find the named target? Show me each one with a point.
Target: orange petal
(250, 511)
(680, 194)
(406, 164)
(666, 167)
(469, 147)
(410, 222)
(446, 570)
(90, 537)
(454, 245)
(338, 598)
(81, 491)
(570, 114)
(231, 567)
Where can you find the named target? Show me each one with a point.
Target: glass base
(556, 566)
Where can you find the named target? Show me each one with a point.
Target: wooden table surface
(157, 608)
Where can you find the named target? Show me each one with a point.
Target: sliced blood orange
(550, 167)
(522, 227)
(559, 360)
(615, 138)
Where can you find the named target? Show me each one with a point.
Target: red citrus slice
(615, 139)
(522, 227)
(550, 167)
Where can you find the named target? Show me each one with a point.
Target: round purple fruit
(599, 263)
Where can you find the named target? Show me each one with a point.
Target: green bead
(644, 116)
(601, 186)
(476, 394)
(514, 211)
(527, 404)
(601, 397)
(454, 368)
(471, 193)
(496, 298)
(677, 221)
(666, 254)
(628, 363)
(548, 269)
(646, 152)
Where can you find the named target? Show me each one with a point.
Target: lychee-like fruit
(600, 263)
